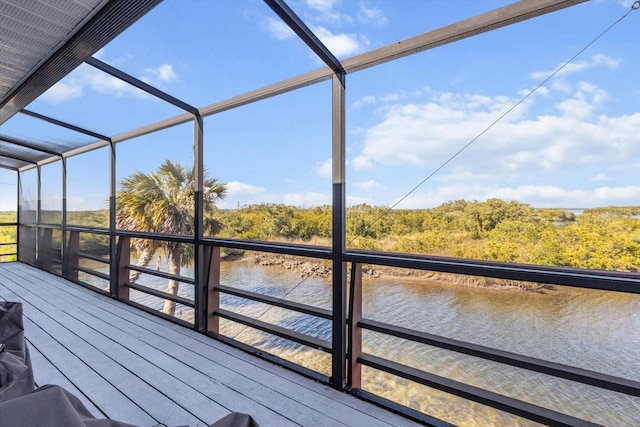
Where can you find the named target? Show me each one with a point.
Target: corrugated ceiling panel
(19, 152)
(13, 164)
(32, 30)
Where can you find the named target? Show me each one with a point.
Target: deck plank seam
(36, 324)
(206, 356)
(344, 399)
(195, 368)
(174, 360)
(110, 357)
(78, 389)
(117, 308)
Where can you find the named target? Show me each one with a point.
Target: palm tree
(163, 201)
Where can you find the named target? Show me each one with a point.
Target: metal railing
(207, 291)
(357, 358)
(9, 248)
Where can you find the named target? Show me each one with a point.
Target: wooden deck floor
(129, 365)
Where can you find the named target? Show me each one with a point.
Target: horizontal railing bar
(156, 236)
(401, 409)
(281, 248)
(276, 330)
(157, 313)
(160, 294)
(317, 376)
(93, 257)
(92, 230)
(469, 392)
(559, 370)
(92, 272)
(49, 226)
(89, 286)
(57, 260)
(8, 224)
(583, 278)
(162, 274)
(8, 243)
(289, 305)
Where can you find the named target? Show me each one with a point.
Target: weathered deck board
(130, 365)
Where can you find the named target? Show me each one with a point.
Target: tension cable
(634, 6)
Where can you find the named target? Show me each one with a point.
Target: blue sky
(575, 142)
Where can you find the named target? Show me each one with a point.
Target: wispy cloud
(276, 28)
(370, 185)
(307, 200)
(326, 20)
(341, 45)
(240, 194)
(323, 169)
(87, 78)
(600, 177)
(159, 75)
(559, 81)
(371, 15)
(327, 10)
(535, 195)
(425, 134)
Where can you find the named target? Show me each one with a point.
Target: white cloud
(326, 10)
(104, 83)
(362, 162)
(236, 188)
(62, 91)
(538, 196)
(324, 6)
(365, 100)
(559, 81)
(370, 185)
(158, 75)
(240, 194)
(579, 66)
(426, 135)
(390, 97)
(340, 45)
(307, 200)
(86, 77)
(371, 15)
(599, 177)
(324, 169)
(277, 29)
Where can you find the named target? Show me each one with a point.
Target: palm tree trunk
(143, 261)
(173, 261)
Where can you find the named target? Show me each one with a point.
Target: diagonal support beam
(64, 124)
(119, 74)
(111, 20)
(25, 144)
(300, 28)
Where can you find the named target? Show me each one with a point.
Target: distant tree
(163, 202)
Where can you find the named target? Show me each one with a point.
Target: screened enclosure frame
(347, 357)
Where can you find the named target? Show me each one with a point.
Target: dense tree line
(600, 238)
(8, 234)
